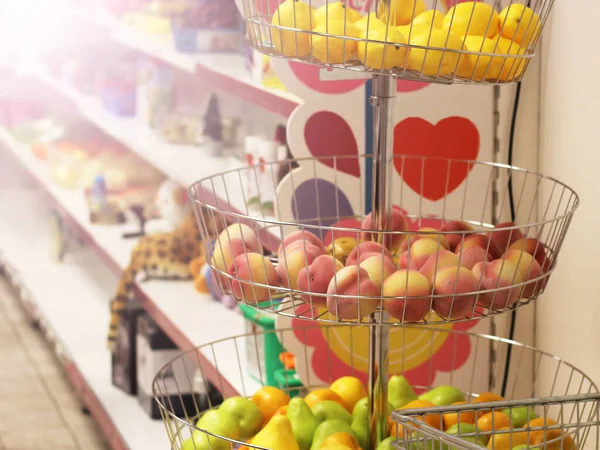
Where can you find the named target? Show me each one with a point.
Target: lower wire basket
(429, 356)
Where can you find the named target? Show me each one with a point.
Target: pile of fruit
(450, 271)
(337, 418)
(300, 31)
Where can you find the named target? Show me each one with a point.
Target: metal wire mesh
(488, 41)
(560, 422)
(229, 362)
(515, 261)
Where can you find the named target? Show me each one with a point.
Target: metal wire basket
(560, 422)
(320, 202)
(528, 372)
(488, 41)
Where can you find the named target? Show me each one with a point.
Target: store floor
(38, 409)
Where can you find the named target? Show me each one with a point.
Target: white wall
(569, 312)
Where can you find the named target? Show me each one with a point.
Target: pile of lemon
(301, 31)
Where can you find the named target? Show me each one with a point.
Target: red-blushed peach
(379, 268)
(300, 244)
(243, 232)
(433, 234)
(398, 223)
(365, 250)
(473, 255)
(498, 274)
(529, 269)
(317, 277)
(455, 225)
(478, 240)
(450, 283)
(406, 262)
(438, 261)
(291, 262)
(301, 235)
(407, 283)
(352, 281)
(421, 250)
(252, 268)
(226, 250)
(535, 248)
(502, 237)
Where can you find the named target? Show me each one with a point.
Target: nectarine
(478, 240)
(301, 235)
(498, 274)
(352, 281)
(451, 283)
(437, 262)
(292, 261)
(252, 268)
(502, 236)
(365, 250)
(379, 268)
(407, 283)
(455, 225)
(397, 223)
(316, 278)
(529, 269)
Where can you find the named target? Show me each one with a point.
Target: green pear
(276, 435)
(467, 431)
(304, 423)
(400, 392)
(326, 429)
(386, 444)
(246, 413)
(520, 416)
(216, 422)
(521, 447)
(443, 396)
(360, 421)
(330, 410)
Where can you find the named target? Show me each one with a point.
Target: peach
(529, 269)
(478, 240)
(503, 237)
(405, 261)
(398, 223)
(533, 247)
(352, 281)
(301, 235)
(316, 278)
(407, 283)
(300, 244)
(455, 225)
(243, 232)
(473, 255)
(291, 262)
(433, 234)
(423, 249)
(498, 274)
(438, 261)
(379, 268)
(252, 268)
(365, 250)
(226, 250)
(452, 281)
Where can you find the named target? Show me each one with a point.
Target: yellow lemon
(472, 19)
(292, 14)
(336, 11)
(334, 50)
(429, 18)
(370, 21)
(513, 67)
(380, 56)
(519, 23)
(480, 67)
(434, 62)
(407, 10)
(350, 389)
(409, 31)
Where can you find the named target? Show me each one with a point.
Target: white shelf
(189, 318)
(73, 300)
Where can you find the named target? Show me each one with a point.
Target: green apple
(326, 429)
(520, 416)
(330, 410)
(400, 392)
(443, 396)
(246, 413)
(304, 423)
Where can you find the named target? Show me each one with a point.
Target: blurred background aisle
(37, 404)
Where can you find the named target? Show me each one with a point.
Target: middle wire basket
(439, 259)
(428, 356)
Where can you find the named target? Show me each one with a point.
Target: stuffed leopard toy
(158, 256)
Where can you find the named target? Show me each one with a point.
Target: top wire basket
(443, 41)
(435, 261)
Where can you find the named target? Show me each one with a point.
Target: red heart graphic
(452, 137)
(328, 134)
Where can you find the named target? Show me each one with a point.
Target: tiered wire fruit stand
(485, 42)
